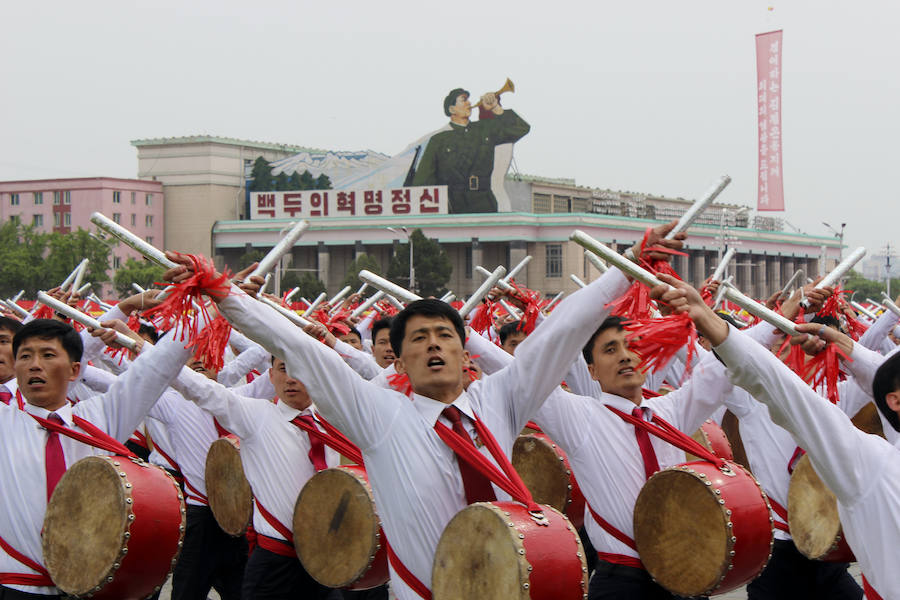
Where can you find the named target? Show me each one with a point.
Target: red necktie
(651, 465)
(54, 460)
(477, 486)
(317, 446)
(5, 397)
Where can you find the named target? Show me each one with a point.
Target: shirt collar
(431, 409)
(290, 413)
(65, 413)
(623, 404)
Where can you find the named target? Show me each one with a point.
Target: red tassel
(457, 304)
(44, 312)
(657, 341)
(532, 301)
(386, 309)
(482, 320)
(336, 324)
(176, 309)
(634, 305)
(209, 345)
(115, 353)
(400, 382)
(134, 322)
(825, 369)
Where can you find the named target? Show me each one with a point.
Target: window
(117, 218)
(148, 200)
(468, 262)
(13, 199)
(37, 220)
(117, 262)
(67, 197)
(67, 219)
(39, 197)
(117, 197)
(133, 219)
(56, 219)
(15, 219)
(149, 239)
(56, 198)
(554, 260)
(148, 220)
(134, 197)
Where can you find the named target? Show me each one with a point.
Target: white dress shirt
(361, 362)
(414, 474)
(252, 356)
(274, 451)
(23, 485)
(862, 470)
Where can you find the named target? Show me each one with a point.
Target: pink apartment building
(64, 205)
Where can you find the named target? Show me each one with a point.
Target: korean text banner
(768, 94)
(421, 200)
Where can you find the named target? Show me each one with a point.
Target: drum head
(680, 530)
(812, 512)
(336, 529)
(542, 470)
(867, 420)
(478, 557)
(86, 525)
(230, 496)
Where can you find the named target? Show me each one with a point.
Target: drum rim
(731, 540)
(235, 443)
(354, 472)
(127, 486)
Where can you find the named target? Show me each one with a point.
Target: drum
(113, 528)
(713, 438)
(700, 531)
(227, 488)
(813, 516)
(337, 532)
(497, 550)
(867, 420)
(544, 468)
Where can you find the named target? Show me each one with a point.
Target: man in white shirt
(8, 387)
(48, 354)
(862, 470)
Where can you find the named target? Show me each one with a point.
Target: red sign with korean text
(421, 200)
(768, 96)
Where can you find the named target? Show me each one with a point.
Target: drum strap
(275, 523)
(798, 454)
(40, 580)
(276, 546)
(611, 529)
(782, 513)
(167, 458)
(195, 493)
(869, 591)
(405, 574)
(95, 437)
(331, 437)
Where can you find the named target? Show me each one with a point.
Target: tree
(323, 182)
(282, 182)
(307, 182)
(22, 250)
(261, 175)
(433, 267)
(868, 288)
(249, 257)
(66, 251)
(363, 261)
(310, 286)
(142, 272)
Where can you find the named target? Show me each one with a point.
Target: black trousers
(376, 593)
(11, 594)
(790, 575)
(618, 582)
(270, 576)
(210, 558)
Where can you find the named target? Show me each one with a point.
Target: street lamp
(839, 235)
(412, 268)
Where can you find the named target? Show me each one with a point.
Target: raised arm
(239, 415)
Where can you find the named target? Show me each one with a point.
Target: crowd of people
(432, 405)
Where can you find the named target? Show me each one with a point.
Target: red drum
(113, 528)
(544, 468)
(227, 488)
(498, 550)
(700, 530)
(713, 438)
(337, 532)
(813, 517)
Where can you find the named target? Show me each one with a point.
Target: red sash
(331, 437)
(782, 513)
(869, 591)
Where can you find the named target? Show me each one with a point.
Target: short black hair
(149, 331)
(610, 322)
(51, 329)
(828, 321)
(887, 380)
(730, 319)
(427, 307)
(10, 324)
(509, 329)
(380, 324)
(356, 332)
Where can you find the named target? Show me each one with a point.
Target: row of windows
(148, 198)
(148, 219)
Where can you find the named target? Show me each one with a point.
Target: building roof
(214, 139)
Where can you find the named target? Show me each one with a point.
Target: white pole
(87, 321)
(482, 291)
(698, 207)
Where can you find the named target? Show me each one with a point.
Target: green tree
(66, 251)
(310, 286)
(261, 175)
(282, 182)
(363, 261)
(433, 267)
(294, 181)
(323, 182)
(142, 272)
(868, 288)
(307, 182)
(249, 257)
(22, 251)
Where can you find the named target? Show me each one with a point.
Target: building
(64, 205)
(203, 178)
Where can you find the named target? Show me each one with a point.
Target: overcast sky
(650, 96)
